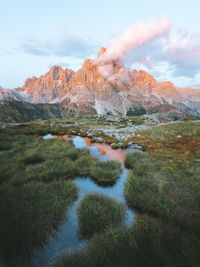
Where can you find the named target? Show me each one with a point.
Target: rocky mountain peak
(142, 76)
(57, 73)
(105, 86)
(102, 51)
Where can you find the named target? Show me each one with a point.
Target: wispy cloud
(147, 45)
(136, 36)
(155, 43)
(68, 45)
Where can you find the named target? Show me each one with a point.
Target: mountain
(48, 87)
(8, 93)
(108, 88)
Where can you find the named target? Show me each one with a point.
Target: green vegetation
(148, 243)
(36, 187)
(163, 184)
(136, 110)
(132, 158)
(106, 173)
(148, 195)
(97, 213)
(34, 195)
(18, 111)
(30, 213)
(190, 118)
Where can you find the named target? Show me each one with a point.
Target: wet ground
(67, 237)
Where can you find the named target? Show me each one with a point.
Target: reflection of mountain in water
(67, 239)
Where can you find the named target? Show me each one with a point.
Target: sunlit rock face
(107, 87)
(49, 87)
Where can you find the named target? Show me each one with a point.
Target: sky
(161, 37)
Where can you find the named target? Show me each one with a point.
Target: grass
(169, 193)
(83, 165)
(106, 173)
(132, 158)
(30, 214)
(97, 213)
(148, 243)
(162, 182)
(147, 196)
(36, 187)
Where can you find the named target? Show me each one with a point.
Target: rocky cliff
(108, 87)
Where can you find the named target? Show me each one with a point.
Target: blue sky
(38, 34)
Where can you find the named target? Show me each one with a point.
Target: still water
(66, 237)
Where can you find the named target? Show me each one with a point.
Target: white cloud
(155, 45)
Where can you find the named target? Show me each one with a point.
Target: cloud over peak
(147, 45)
(136, 36)
(154, 44)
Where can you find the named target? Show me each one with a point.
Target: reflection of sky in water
(66, 238)
(94, 151)
(48, 136)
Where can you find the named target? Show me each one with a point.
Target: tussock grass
(164, 183)
(30, 213)
(147, 195)
(79, 259)
(148, 243)
(33, 159)
(34, 197)
(106, 173)
(97, 213)
(83, 165)
(132, 158)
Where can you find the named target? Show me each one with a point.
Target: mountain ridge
(106, 88)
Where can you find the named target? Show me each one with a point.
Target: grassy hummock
(148, 243)
(147, 195)
(97, 213)
(30, 213)
(106, 173)
(163, 184)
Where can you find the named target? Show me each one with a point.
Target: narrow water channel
(66, 238)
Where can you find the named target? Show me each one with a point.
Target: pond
(67, 238)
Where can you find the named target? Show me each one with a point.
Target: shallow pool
(66, 237)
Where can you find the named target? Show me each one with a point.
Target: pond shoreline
(66, 237)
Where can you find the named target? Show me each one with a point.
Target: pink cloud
(135, 37)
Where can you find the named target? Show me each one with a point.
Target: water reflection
(67, 239)
(102, 151)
